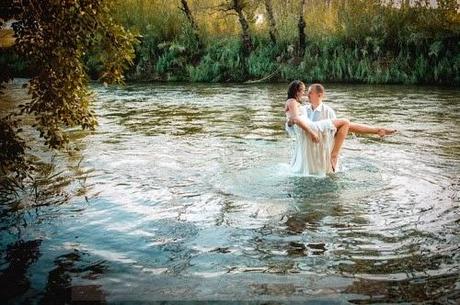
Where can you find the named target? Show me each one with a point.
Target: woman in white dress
(318, 143)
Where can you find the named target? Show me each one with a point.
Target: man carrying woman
(318, 133)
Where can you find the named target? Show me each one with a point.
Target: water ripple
(192, 182)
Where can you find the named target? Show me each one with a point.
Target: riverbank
(327, 60)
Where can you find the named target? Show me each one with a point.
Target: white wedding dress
(307, 157)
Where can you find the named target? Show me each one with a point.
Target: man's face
(313, 96)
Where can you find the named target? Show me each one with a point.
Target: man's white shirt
(322, 112)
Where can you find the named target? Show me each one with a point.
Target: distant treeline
(279, 40)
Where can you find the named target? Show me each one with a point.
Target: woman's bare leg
(363, 129)
(342, 126)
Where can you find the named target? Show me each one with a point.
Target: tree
(238, 7)
(186, 9)
(54, 36)
(271, 20)
(301, 27)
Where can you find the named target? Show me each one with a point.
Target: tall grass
(160, 18)
(222, 62)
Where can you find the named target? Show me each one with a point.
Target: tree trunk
(301, 27)
(246, 36)
(188, 14)
(271, 20)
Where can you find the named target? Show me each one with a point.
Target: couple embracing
(318, 134)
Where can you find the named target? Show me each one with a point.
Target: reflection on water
(19, 256)
(184, 193)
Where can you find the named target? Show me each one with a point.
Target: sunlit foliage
(53, 36)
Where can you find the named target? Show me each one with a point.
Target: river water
(183, 192)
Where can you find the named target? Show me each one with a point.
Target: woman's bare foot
(382, 132)
(334, 160)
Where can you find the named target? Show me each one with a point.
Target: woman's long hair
(294, 88)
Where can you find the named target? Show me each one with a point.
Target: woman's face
(301, 92)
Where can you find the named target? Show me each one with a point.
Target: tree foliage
(54, 37)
